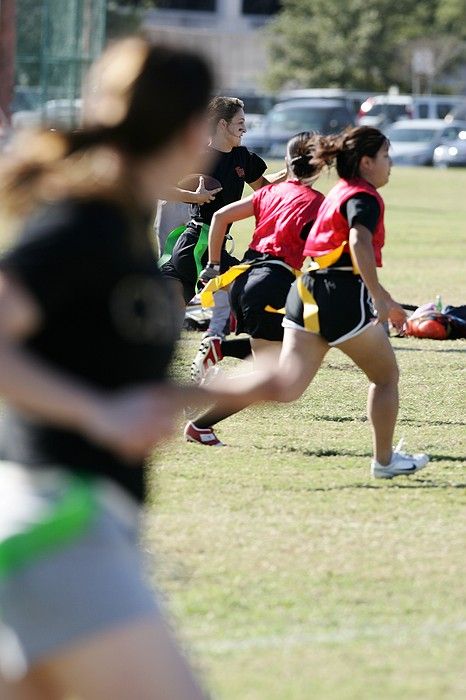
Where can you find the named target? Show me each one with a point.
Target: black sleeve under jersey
(64, 249)
(362, 209)
(305, 230)
(254, 167)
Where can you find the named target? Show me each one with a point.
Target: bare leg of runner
(32, 688)
(271, 348)
(152, 668)
(372, 352)
(271, 352)
(300, 359)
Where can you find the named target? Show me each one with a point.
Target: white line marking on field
(342, 635)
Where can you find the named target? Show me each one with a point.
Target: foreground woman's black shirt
(107, 319)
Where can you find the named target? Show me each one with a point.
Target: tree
(352, 44)
(451, 17)
(123, 17)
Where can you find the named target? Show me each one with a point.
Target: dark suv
(289, 118)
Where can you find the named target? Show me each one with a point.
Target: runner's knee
(386, 376)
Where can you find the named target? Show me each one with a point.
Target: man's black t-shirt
(107, 320)
(232, 170)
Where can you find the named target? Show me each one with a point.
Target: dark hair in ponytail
(345, 150)
(138, 97)
(300, 152)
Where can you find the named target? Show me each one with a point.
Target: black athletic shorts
(264, 284)
(345, 307)
(182, 265)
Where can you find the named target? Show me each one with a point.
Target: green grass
(290, 574)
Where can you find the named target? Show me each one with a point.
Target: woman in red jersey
(284, 214)
(341, 303)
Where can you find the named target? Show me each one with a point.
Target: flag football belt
(323, 262)
(225, 279)
(311, 318)
(53, 526)
(199, 249)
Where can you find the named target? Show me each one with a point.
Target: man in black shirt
(233, 166)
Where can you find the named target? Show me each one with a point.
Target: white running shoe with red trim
(209, 353)
(204, 436)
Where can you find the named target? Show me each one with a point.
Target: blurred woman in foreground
(86, 336)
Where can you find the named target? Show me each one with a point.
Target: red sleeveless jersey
(281, 213)
(331, 229)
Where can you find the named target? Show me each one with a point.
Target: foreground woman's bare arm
(129, 422)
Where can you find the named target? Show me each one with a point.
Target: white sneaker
(209, 353)
(402, 464)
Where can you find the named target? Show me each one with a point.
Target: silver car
(452, 154)
(413, 142)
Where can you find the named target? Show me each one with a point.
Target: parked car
(289, 118)
(25, 99)
(351, 99)
(382, 110)
(434, 106)
(256, 105)
(414, 142)
(63, 112)
(452, 154)
(458, 113)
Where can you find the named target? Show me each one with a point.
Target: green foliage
(356, 43)
(451, 17)
(123, 18)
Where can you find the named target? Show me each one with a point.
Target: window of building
(192, 5)
(261, 7)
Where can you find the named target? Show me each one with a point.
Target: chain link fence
(56, 42)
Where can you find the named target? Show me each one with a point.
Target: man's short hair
(223, 108)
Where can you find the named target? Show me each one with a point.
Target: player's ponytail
(345, 150)
(137, 99)
(300, 152)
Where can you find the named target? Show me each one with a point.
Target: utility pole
(7, 53)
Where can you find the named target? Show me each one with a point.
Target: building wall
(234, 43)
(239, 59)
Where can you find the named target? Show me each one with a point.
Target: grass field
(289, 573)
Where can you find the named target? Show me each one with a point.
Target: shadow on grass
(400, 349)
(406, 421)
(332, 452)
(408, 482)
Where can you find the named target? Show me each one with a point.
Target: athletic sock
(211, 418)
(239, 348)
